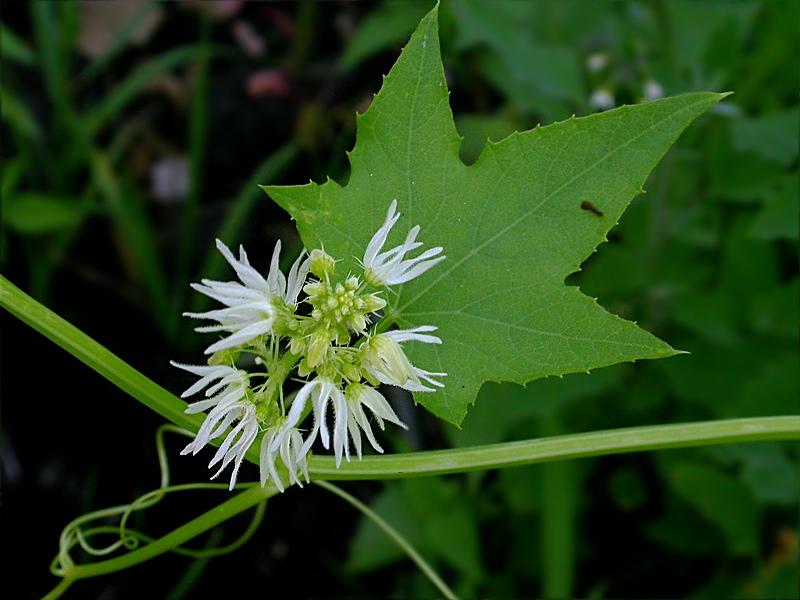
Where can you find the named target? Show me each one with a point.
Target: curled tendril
(80, 533)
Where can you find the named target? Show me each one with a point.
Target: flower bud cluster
(319, 327)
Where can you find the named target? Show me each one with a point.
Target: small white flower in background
(251, 308)
(170, 179)
(653, 90)
(333, 344)
(601, 99)
(596, 62)
(391, 267)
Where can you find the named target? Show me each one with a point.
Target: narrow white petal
(247, 274)
(216, 427)
(302, 465)
(222, 451)
(295, 412)
(244, 444)
(406, 335)
(389, 260)
(263, 457)
(380, 407)
(267, 462)
(340, 444)
(360, 419)
(225, 251)
(207, 375)
(240, 337)
(201, 406)
(391, 267)
(275, 279)
(297, 278)
(413, 386)
(403, 274)
(289, 456)
(379, 239)
(328, 391)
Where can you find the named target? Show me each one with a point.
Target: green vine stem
(254, 495)
(88, 351)
(439, 462)
(563, 447)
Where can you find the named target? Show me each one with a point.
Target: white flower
(385, 360)
(596, 62)
(232, 380)
(653, 90)
(288, 447)
(250, 305)
(230, 405)
(391, 267)
(351, 419)
(320, 390)
(601, 99)
(238, 441)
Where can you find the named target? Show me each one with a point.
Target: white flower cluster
(335, 346)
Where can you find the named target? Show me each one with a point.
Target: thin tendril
(75, 535)
(396, 536)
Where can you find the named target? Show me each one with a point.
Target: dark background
(107, 223)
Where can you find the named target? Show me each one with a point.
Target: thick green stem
(440, 462)
(514, 454)
(88, 351)
(57, 591)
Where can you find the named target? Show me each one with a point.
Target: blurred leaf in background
(95, 95)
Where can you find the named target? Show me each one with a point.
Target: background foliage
(133, 134)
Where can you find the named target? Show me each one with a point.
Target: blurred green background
(133, 134)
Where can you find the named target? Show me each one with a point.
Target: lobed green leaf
(514, 225)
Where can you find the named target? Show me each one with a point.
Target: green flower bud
(267, 409)
(318, 346)
(227, 356)
(321, 264)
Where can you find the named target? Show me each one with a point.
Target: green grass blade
(120, 41)
(47, 36)
(197, 151)
(132, 220)
(18, 116)
(55, 25)
(130, 88)
(13, 48)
